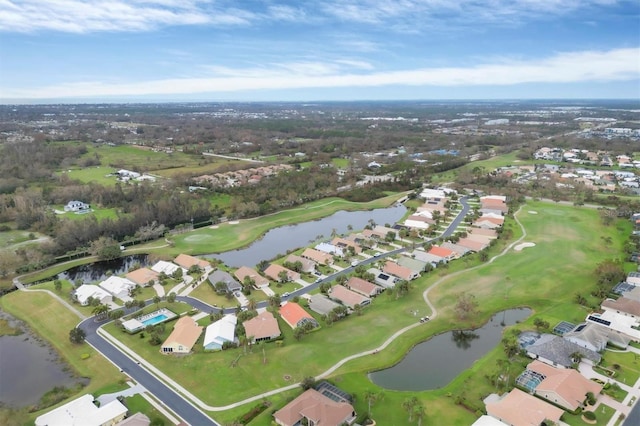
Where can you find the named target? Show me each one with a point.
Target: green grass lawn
(603, 415)
(97, 174)
(99, 213)
(629, 366)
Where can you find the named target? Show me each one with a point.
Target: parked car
(424, 319)
(286, 294)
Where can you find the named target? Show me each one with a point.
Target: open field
(97, 174)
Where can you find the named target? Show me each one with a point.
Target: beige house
(244, 272)
(185, 261)
(398, 271)
(307, 264)
(273, 272)
(363, 287)
(142, 276)
(518, 408)
(316, 409)
(185, 334)
(565, 387)
(320, 257)
(262, 327)
(347, 297)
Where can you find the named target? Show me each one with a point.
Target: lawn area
(9, 238)
(628, 370)
(99, 213)
(140, 159)
(603, 415)
(97, 174)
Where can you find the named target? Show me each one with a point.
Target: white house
(163, 266)
(77, 207)
(83, 412)
(223, 330)
(118, 287)
(330, 248)
(85, 291)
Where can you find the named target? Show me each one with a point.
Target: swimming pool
(155, 320)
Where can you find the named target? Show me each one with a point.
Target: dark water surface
(436, 362)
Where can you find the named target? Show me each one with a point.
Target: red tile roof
(292, 314)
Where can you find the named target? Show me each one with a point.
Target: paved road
(175, 401)
(184, 409)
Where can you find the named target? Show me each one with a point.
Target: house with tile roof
(165, 267)
(86, 291)
(330, 249)
(565, 387)
(184, 335)
(344, 244)
(380, 232)
(320, 257)
(186, 261)
(460, 250)
(347, 297)
(219, 332)
(595, 337)
(416, 265)
(313, 408)
(363, 287)
(143, 276)
(518, 408)
(118, 287)
(262, 327)
(444, 253)
(472, 245)
(258, 280)
(273, 271)
(308, 265)
(295, 316)
(398, 271)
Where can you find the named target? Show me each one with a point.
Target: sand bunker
(521, 246)
(532, 212)
(214, 227)
(234, 222)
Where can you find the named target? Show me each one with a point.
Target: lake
(100, 271)
(30, 367)
(436, 362)
(278, 241)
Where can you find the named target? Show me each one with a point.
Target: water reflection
(434, 363)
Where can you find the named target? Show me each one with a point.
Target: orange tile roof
(445, 253)
(471, 244)
(347, 297)
(292, 314)
(274, 270)
(317, 256)
(362, 286)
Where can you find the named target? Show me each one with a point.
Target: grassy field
(99, 213)
(97, 174)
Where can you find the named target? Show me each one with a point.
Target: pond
(278, 241)
(436, 362)
(29, 367)
(100, 271)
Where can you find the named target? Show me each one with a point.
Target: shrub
(589, 415)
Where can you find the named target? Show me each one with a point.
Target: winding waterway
(436, 362)
(279, 240)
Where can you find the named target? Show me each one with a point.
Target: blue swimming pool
(155, 320)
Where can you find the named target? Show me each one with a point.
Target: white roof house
(83, 412)
(620, 323)
(85, 291)
(117, 286)
(223, 330)
(330, 248)
(166, 267)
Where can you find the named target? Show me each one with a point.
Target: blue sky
(219, 50)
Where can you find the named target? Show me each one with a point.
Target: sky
(272, 50)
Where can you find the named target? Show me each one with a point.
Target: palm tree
(252, 304)
(408, 405)
(100, 311)
(420, 412)
(372, 397)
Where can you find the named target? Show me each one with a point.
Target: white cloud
(572, 67)
(77, 16)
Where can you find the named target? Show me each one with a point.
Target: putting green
(198, 238)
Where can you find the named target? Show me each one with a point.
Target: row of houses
(242, 177)
(121, 287)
